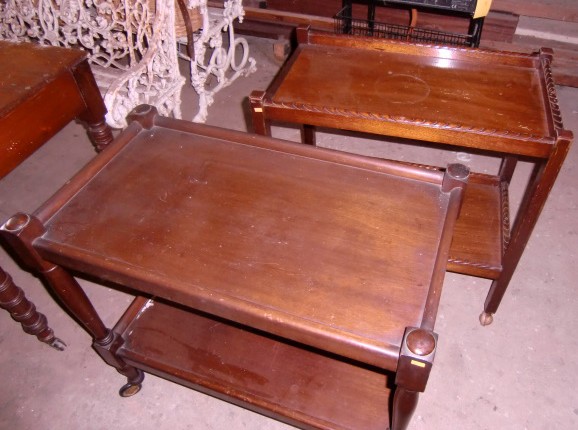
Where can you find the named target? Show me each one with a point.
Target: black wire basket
(346, 24)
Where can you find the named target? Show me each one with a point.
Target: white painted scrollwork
(132, 49)
(220, 57)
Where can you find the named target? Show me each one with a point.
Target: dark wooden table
(41, 90)
(495, 102)
(298, 282)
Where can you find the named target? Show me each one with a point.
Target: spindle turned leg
(99, 133)
(21, 309)
(20, 231)
(98, 130)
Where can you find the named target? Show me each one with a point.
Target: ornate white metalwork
(132, 49)
(217, 62)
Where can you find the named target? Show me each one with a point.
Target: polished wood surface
(219, 214)
(330, 258)
(435, 94)
(498, 102)
(295, 384)
(445, 88)
(41, 90)
(482, 229)
(22, 310)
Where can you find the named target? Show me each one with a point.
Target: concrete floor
(519, 373)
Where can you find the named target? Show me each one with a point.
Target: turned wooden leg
(507, 168)
(94, 116)
(20, 231)
(21, 309)
(537, 191)
(404, 404)
(413, 369)
(308, 134)
(260, 124)
(100, 134)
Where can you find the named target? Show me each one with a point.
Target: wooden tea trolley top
(303, 243)
(490, 100)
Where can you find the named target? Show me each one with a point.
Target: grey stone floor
(519, 373)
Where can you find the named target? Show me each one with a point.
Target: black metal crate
(346, 24)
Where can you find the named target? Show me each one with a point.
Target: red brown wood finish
(498, 102)
(41, 90)
(22, 310)
(298, 282)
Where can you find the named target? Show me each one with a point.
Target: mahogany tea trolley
(499, 103)
(301, 283)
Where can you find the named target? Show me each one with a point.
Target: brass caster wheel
(486, 318)
(57, 344)
(129, 389)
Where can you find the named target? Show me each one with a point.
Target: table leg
(507, 168)
(537, 192)
(20, 231)
(260, 124)
(308, 134)
(404, 404)
(21, 309)
(263, 127)
(99, 131)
